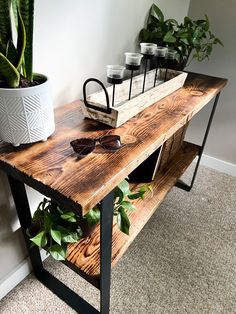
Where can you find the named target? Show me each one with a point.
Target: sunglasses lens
(111, 142)
(83, 146)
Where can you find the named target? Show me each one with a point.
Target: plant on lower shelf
(53, 227)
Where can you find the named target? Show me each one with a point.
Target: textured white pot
(26, 114)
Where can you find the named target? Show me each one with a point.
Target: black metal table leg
(182, 185)
(106, 251)
(52, 283)
(24, 215)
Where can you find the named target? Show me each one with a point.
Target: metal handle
(92, 106)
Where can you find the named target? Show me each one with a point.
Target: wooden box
(171, 147)
(125, 109)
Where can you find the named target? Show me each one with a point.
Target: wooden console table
(53, 169)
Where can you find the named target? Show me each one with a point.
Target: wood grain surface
(78, 184)
(85, 254)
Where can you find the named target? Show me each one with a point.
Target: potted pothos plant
(26, 109)
(53, 227)
(192, 39)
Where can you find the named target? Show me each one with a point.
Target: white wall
(74, 40)
(221, 141)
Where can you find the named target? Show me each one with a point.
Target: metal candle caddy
(115, 73)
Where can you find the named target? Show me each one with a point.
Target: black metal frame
(182, 185)
(52, 283)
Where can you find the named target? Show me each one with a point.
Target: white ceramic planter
(26, 114)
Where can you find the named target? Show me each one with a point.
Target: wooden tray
(125, 109)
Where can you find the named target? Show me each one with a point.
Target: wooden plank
(54, 168)
(125, 109)
(85, 253)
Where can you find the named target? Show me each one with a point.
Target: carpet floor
(183, 261)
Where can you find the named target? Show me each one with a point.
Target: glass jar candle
(133, 60)
(115, 74)
(148, 49)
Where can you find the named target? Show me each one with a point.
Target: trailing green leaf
(55, 227)
(58, 252)
(69, 216)
(56, 235)
(40, 239)
(124, 187)
(123, 221)
(93, 216)
(71, 237)
(128, 205)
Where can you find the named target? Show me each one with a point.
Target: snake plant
(16, 17)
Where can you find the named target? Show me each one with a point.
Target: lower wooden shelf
(85, 254)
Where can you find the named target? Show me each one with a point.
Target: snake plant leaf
(12, 53)
(15, 4)
(5, 22)
(27, 13)
(9, 72)
(21, 41)
(2, 48)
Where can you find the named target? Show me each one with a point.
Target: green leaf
(187, 20)
(59, 210)
(169, 38)
(69, 216)
(58, 252)
(157, 13)
(134, 196)
(184, 40)
(124, 187)
(123, 221)
(38, 215)
(9, 73)
(79, 232)
(218, 41)
(40, 239)
(5, 22)
(71, 237)
(11, 53)
(15, 11)
(172, 21)
(118, 194)
(128, 205)
(48, 220)
(93, 216)
(207, 24)
(56, 235)
(2, 48)
(21, 41)
(27, 13)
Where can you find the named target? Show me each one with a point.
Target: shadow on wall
(8, 215)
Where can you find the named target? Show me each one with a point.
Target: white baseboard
(17, 275)
(219, 165)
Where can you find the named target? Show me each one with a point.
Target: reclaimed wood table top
(55, 170)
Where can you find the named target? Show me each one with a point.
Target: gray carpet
(183, 261)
